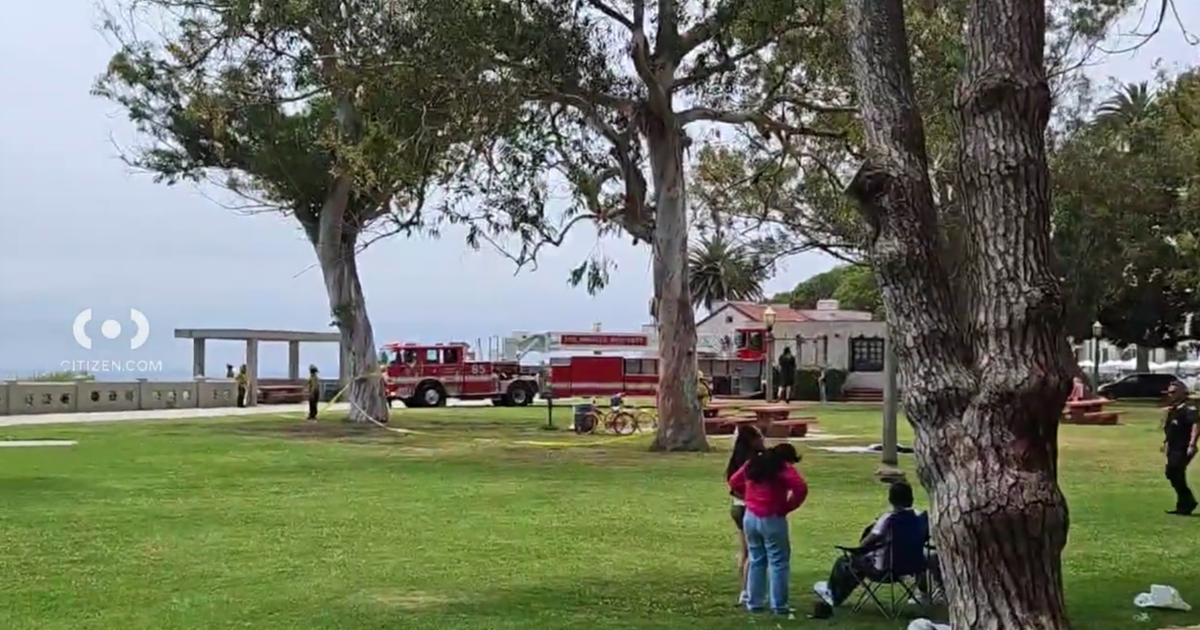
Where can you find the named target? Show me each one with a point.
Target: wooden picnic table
(770, 413)
(774, 420)
(726, 403)
(282, 394)
(1090, 412)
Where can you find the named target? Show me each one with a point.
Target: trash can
(329, 389)
(585, 417)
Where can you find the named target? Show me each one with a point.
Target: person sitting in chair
(872, 555)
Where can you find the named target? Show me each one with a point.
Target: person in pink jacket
(772, 488)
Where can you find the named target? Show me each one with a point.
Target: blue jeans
(770, 555)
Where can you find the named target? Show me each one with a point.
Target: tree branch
(667, 37)
(708, 28)
(611, 13)
(729, 63)
(759, 118)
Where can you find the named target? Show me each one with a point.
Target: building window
(729, 319)
(866, 354)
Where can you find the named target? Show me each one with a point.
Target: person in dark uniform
(242, 381)
(1179, 444)
(787, 375)
(313, 388)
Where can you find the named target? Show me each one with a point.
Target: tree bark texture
(984, 385)
(336, 246)
(681, 423)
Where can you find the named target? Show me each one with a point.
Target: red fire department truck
(751, 343)
(636, 373)
(425, 375)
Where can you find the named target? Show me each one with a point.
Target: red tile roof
(787, 314)
(783, 312)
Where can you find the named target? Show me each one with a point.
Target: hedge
(806, 387)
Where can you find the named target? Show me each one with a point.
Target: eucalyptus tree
(618, 92)
(328, 111)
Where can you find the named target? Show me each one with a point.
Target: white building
(825, 336)
(1110, 352)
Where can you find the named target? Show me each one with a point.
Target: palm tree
(1123, 113)
(723, 270)
(1133, 102)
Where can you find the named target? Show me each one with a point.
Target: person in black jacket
(748, 444)
(1180, 430)
(787, 375)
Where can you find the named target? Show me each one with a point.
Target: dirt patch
(404, 600)
(152, 550)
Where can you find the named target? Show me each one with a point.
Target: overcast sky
(78, 230)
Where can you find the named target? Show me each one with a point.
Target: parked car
(1140, 385)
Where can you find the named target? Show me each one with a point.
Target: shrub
(806, 387)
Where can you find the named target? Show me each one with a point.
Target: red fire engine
(424, 375)
(600, 375)
(751, 343)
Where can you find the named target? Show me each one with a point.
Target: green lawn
(268, 526)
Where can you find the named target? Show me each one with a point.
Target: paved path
(154, 414)
(185, 414)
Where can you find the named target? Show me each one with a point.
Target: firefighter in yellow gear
(703, 389)
(313, 389)
(242, 380)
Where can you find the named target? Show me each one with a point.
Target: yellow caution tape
(568, 444)
(342, 392)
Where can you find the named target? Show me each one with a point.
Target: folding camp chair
(937, 590)
(904, 562)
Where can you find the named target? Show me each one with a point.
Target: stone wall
(23, 398)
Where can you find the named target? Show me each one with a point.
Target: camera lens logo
(111, 329)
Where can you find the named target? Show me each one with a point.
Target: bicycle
(617, 418)
(644, 417)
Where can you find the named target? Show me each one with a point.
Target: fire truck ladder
(519, 344)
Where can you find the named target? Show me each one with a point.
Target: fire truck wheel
(518, 394)
(430, 394)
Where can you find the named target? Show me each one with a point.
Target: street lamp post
(548, 395)
(1097, 330)
(889, 464)
(769, 364)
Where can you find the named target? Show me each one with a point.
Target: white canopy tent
(1177, 367)
(1116, 367)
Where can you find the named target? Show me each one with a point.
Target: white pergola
(200, 336)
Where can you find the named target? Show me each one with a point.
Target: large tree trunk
(1142, 359)
(985, 387)
(336, 251)
(681, 424)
